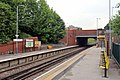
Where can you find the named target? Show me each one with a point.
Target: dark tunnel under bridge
(83, 40)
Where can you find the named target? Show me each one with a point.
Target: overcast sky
(83, 13)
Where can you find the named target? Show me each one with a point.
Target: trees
(35, 19)
(41, 21)
(116, 27)
(115, 23)
(7, 23)
(73, 27)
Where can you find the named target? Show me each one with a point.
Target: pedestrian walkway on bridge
(88, 68)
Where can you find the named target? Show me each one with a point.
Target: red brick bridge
(79, 37)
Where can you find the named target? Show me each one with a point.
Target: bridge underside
(83, 40)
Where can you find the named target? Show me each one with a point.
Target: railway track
(42, 65)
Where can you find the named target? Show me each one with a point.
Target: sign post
(17, 40)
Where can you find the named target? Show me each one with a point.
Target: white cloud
(82, 13)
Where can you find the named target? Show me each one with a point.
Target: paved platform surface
(87, 68)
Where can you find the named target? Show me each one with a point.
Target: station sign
(17, 40)
(29, 42)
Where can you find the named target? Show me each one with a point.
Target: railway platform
(83, 66)
(88, 68)
(7, 57)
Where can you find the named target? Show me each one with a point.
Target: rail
(19, 59)
(44, 65)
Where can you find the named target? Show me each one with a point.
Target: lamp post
(110, 33)
(67, 36)
(97, 27)
(17, 30)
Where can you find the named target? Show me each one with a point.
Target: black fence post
(105, 69)
(105, 72)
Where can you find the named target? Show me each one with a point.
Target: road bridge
(79, 37)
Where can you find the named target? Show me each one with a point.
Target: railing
(116, 52)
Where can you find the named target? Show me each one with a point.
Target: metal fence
(116, 52)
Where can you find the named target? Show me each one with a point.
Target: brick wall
(10, 47)
(69, 38)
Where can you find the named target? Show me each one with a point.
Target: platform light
(17, 29)
(97, 27)
(110, 34)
